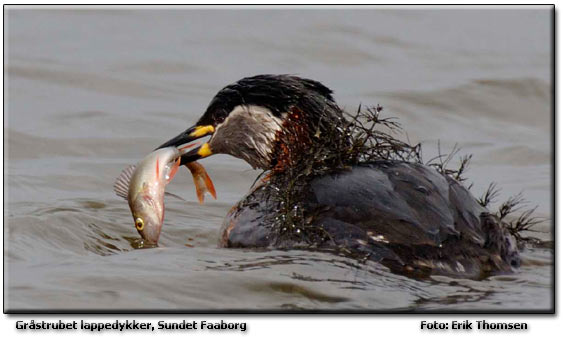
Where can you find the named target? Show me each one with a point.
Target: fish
(143, 186)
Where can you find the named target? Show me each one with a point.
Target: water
(91, 91)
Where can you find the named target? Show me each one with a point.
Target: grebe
(404, 215)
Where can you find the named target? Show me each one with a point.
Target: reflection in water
(89, 94)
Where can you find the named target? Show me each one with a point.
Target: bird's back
(405, 215)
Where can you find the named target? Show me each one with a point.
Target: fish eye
(139, 224)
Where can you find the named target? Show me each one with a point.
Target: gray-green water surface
(88, 92)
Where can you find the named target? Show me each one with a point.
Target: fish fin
(157, 170)
(202, 181)
(199, 191)
(196, 169)
(209, 184)
(174, 196)
(173, 170)
(188, 146)
(121, 185)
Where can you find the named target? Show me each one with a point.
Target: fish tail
(209, 184)
(202, 181)
(199, 190)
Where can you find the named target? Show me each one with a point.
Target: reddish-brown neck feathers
(292, 141)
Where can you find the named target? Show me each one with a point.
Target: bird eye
(139, 224)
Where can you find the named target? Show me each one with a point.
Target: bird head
(257, 117)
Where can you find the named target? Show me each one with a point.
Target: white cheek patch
(248, 133)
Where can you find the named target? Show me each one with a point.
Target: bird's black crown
(278, 93)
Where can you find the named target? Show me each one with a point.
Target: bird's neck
(292, 140)
(302, 136)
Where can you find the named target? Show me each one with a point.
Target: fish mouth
(183, 140)
(142, 243)
(149, 240)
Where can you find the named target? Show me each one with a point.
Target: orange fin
(173, 170)
(157, 170)
(202, 181)
(209, 185)
(188, 146)
(198, 190)
(195, 169)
